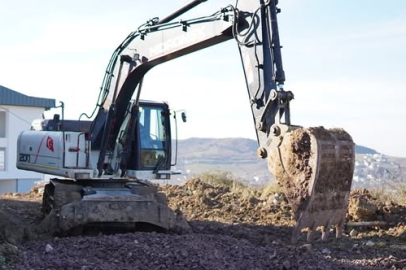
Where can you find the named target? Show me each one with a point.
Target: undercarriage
(71, 206)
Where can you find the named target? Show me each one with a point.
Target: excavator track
(315, 166)
(70, 206)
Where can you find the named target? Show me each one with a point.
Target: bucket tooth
(310, 235)
(325, 231)
(339, 229)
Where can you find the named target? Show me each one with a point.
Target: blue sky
(344, 61)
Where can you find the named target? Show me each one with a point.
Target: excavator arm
(251, 23)
(314, 165)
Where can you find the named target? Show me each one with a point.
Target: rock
(9, 249)
(286, 265)
(389, 203)
(48, 248)
(184, 253)
(306, 247)
(353, 233)
(370, 243)
(326, 251)
(277, 198)
(361, 209)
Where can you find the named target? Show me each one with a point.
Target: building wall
(8, 185)
(25, 185)
(17, 119)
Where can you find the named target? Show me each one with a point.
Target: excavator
(104, 166)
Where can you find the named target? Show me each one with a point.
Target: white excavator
(103, 166)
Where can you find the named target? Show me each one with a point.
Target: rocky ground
(233, 228)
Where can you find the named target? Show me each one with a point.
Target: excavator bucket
(315, 166)
(107, 203)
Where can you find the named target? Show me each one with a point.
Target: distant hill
(246, 148)
(235, 155)
(364, 150)
(226, 150)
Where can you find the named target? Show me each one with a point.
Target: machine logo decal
(50, 144)
(178, 42)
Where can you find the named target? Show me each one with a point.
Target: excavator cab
(147, 151)
(152, 138)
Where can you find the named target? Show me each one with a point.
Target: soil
(233, 228)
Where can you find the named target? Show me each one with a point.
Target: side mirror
(183, 117)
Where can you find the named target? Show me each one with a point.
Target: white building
(17, 111)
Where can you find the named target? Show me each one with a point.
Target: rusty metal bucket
(315, 166)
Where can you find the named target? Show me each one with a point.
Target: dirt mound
(198, 200)
(363, 206)
(18, 214)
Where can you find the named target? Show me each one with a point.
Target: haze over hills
(238, 157)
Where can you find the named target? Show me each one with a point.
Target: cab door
(151, 146)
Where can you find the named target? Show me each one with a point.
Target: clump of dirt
(363, 206)
(398, 231)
